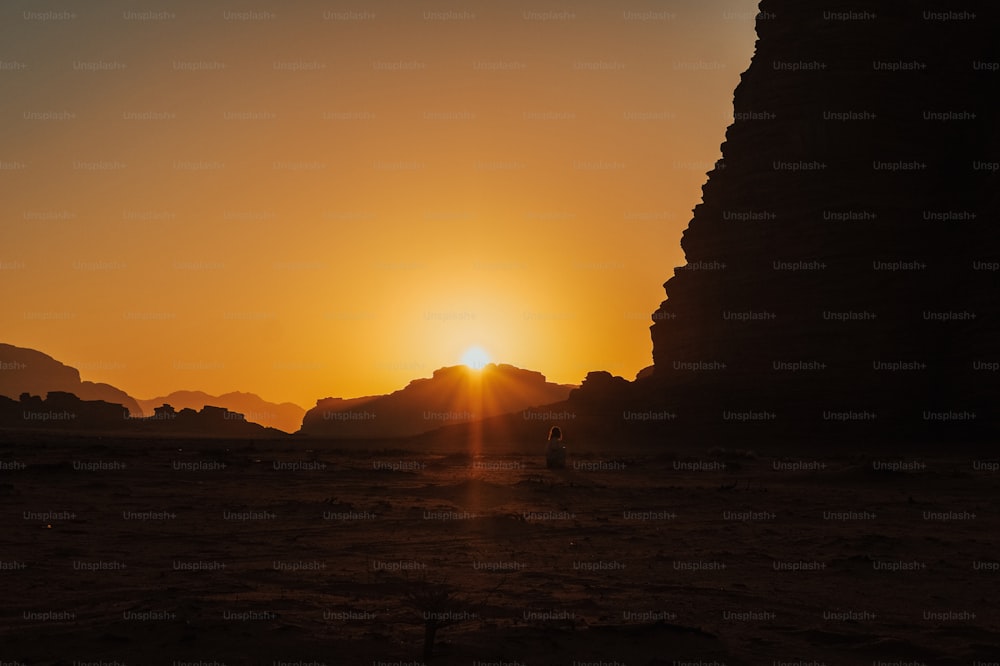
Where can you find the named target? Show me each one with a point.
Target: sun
(475, 357)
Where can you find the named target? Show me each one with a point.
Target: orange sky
(329, 199)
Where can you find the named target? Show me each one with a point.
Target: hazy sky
(318, 199)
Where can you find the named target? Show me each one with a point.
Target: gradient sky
(317, 199)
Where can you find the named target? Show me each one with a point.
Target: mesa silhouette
(454, 394)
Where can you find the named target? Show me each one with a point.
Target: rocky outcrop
(452, 395)
(25, 370)
(286, 416)
(842, 267)
(60, 411)
(209, 421)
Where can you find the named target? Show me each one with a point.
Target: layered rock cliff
(843, 265)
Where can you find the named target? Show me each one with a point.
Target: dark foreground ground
(183, 551)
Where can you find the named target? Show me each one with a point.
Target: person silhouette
(555, 450)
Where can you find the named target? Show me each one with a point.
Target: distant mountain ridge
(24, 370)
(65, 412)
(454, 394)
(286, 416)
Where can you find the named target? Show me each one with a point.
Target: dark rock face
(843, 263)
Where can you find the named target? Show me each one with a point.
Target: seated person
(555, 451)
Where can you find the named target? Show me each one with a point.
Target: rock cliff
(843, 264)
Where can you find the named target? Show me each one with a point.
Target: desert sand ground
(153, 552)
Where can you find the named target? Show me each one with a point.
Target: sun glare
(475, 358)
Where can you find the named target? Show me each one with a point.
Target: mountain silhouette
(67, 413)
(452, 395)
(841, 272)
(24, 370)
(286, 416)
